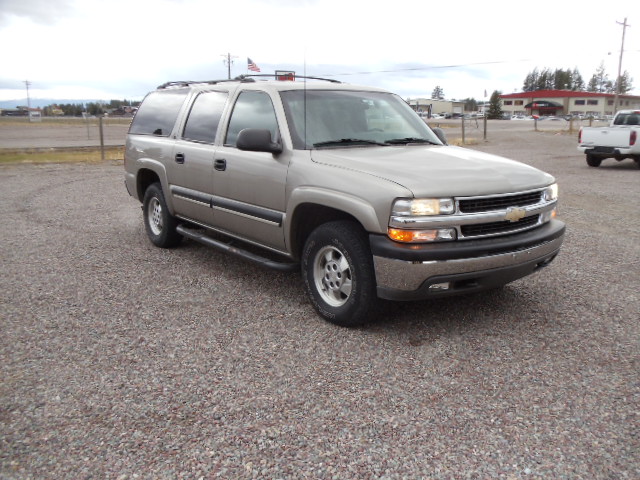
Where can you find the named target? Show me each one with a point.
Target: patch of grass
(60, 155)
(458, 141)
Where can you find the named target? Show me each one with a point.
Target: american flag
(252, 66)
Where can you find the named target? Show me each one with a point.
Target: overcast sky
(116, 49)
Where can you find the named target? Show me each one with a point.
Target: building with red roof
(565, 102)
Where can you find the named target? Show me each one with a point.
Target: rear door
(193, 163)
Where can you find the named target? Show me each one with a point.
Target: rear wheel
(158, 222)
(338, 273)
(593, 161)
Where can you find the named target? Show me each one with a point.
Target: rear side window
(158, 113)
(252, 110)
(204, 117)
(627, 119)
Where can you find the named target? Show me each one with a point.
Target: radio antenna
(304, 102)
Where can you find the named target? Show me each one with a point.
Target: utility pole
(228, 61)
(27, 84)
(618, 81)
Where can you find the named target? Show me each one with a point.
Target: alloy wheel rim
(155, 216)
(332, 275)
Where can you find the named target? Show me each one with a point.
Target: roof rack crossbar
(239, 78)
(186, 83)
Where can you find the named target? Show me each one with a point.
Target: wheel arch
(151, 172)
(316, 207)
(145, 178)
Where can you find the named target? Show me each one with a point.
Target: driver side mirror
(440, 134)
(257, 140)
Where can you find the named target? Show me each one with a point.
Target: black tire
(593, 161)
(158, 222)
(337, 268)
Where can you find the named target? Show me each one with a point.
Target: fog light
(546, 216)
(439, 287)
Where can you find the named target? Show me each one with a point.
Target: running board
(200, 236)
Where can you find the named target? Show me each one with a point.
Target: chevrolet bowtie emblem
(514, 214)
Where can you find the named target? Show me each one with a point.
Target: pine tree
(495, 106)
(577, 83)
(438, 93)
(531, 81)
(600, 82)
(625, 83)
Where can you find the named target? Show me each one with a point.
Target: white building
(565, 102)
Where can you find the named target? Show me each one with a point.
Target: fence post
(485, 127)
(462, 118)
(100, 123)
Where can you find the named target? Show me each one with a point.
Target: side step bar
(200, 236)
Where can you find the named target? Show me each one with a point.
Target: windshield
(334, 118)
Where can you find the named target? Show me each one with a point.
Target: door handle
(220, 164)
(180, 158)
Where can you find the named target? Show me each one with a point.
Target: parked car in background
(619, 140)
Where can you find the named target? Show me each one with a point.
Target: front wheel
(338, 273)
(158, 222)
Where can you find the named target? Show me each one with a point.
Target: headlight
(405, 208)
(423, 206)
(551, 193)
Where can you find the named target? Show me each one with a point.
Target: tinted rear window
(627, 119)
(158, 113)
(204, 117)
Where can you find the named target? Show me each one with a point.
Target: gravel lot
(119, 360)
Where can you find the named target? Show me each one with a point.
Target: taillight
(580, 136)
(633, 137)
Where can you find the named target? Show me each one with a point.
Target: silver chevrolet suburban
(346, 183)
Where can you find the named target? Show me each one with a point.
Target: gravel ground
(119, 360)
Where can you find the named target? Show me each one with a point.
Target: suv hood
(437, 170)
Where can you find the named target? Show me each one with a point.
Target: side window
(252, 110)
(204, 117)
(158, 113)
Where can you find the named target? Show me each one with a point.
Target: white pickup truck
(619, 140)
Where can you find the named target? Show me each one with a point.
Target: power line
(433, 67)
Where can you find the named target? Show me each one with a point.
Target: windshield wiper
(406, 140)
(348, 141)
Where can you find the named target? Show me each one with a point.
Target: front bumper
(414, 272)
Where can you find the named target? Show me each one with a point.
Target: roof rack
(239, 78)
(186, 83)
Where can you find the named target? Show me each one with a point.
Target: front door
(250, 186)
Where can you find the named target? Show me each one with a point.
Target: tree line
(560, 79)
(547, 79)
(90, 108)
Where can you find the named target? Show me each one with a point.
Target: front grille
(488, 204)
(494, 228)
